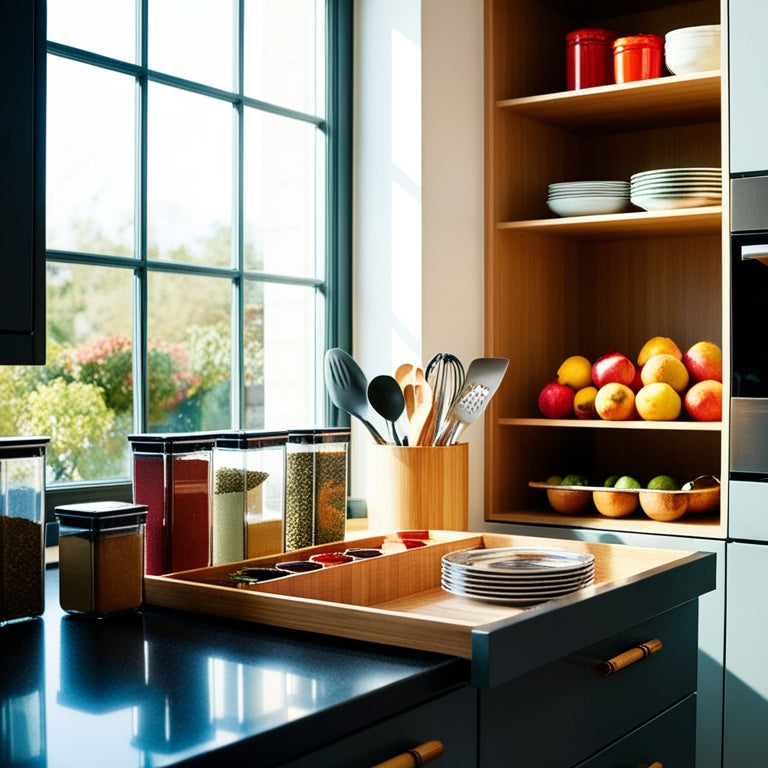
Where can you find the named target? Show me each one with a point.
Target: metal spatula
(483, 378)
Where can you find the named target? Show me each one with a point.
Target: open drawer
(397, 599)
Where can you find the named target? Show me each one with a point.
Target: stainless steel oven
(748, 515)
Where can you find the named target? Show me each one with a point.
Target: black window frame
(337, 281)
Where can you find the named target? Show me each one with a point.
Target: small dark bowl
(256, 575)
(298, 566)
(363, 553)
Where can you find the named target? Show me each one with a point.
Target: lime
(610, 481)
(574, 479)
(554, 480)
(663, 483)
(625, 481)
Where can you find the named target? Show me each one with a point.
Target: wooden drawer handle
(641, 651)
(416, 757)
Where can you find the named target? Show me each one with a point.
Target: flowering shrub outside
(83, 400)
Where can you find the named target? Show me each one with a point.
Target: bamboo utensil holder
(418, 487)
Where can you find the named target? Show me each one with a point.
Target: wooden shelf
(676, 426)
(664, 101)
(700, 526)
(689, 221)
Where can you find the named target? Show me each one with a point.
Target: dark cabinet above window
(22, 183)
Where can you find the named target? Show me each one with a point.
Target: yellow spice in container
(101, 557)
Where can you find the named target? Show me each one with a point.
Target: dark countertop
(159, 688)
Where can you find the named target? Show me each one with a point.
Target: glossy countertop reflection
(157, 688)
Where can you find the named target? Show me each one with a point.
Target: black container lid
(320, 435)
(99, 515)
(172, 442)
(244, 439)
(23, 447)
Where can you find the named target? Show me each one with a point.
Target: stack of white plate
(516, 574)
(692, 49)
(585, 198)
(676, 188)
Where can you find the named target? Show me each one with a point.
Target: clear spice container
(172, 477)
(101, 557)
(315, 487)
(22, 530)
(248, 495)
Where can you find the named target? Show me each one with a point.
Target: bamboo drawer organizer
(396, 599)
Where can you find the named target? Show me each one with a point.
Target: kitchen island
(164, 687)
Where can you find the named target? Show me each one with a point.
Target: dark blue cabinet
(22, 189)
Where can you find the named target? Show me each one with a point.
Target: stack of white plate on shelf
(516, 574)
(669, 188)
(585, 198)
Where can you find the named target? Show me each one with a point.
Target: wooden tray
(397, 599)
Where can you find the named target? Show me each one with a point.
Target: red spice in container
(589, 58)
(172, 477)
(637, 57)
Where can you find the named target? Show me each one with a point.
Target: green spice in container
(316, 487)
(101, 557)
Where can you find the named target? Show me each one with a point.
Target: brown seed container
(101, 557)
(22, 528)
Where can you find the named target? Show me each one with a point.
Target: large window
(197, 223)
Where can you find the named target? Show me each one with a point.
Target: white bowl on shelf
(692, 49)
(583, 205)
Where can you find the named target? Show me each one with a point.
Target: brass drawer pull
(657, 764)
(416, 757)
(641, 651)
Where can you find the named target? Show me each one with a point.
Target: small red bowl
(331, 558)
(418, 534)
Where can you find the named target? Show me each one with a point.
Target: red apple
(704, 360)
(704, 401)
(556, 400)
(611, 367)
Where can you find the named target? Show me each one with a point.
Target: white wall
(418, 241)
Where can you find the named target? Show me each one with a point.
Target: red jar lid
(638, 41)
(590, 36)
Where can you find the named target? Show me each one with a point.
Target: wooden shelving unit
(586, 285)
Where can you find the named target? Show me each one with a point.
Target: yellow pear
(658, 345)
(666, 368)
(658, 402)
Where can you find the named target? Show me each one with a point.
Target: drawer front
(748, 510)
(564, 712)
(450, 719)
(667, 739)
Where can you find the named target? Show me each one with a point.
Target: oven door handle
(758, 252)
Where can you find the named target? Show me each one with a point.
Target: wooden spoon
(422, 407)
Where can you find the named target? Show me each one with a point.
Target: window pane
(282, 190)
(90, 166)
(283, 334)
(190, 352)
(82, 397)
(193, 39)
(189, 177)
(283, 61)
(108, 28)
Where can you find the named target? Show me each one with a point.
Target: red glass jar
(637, 57)
(588, 58)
